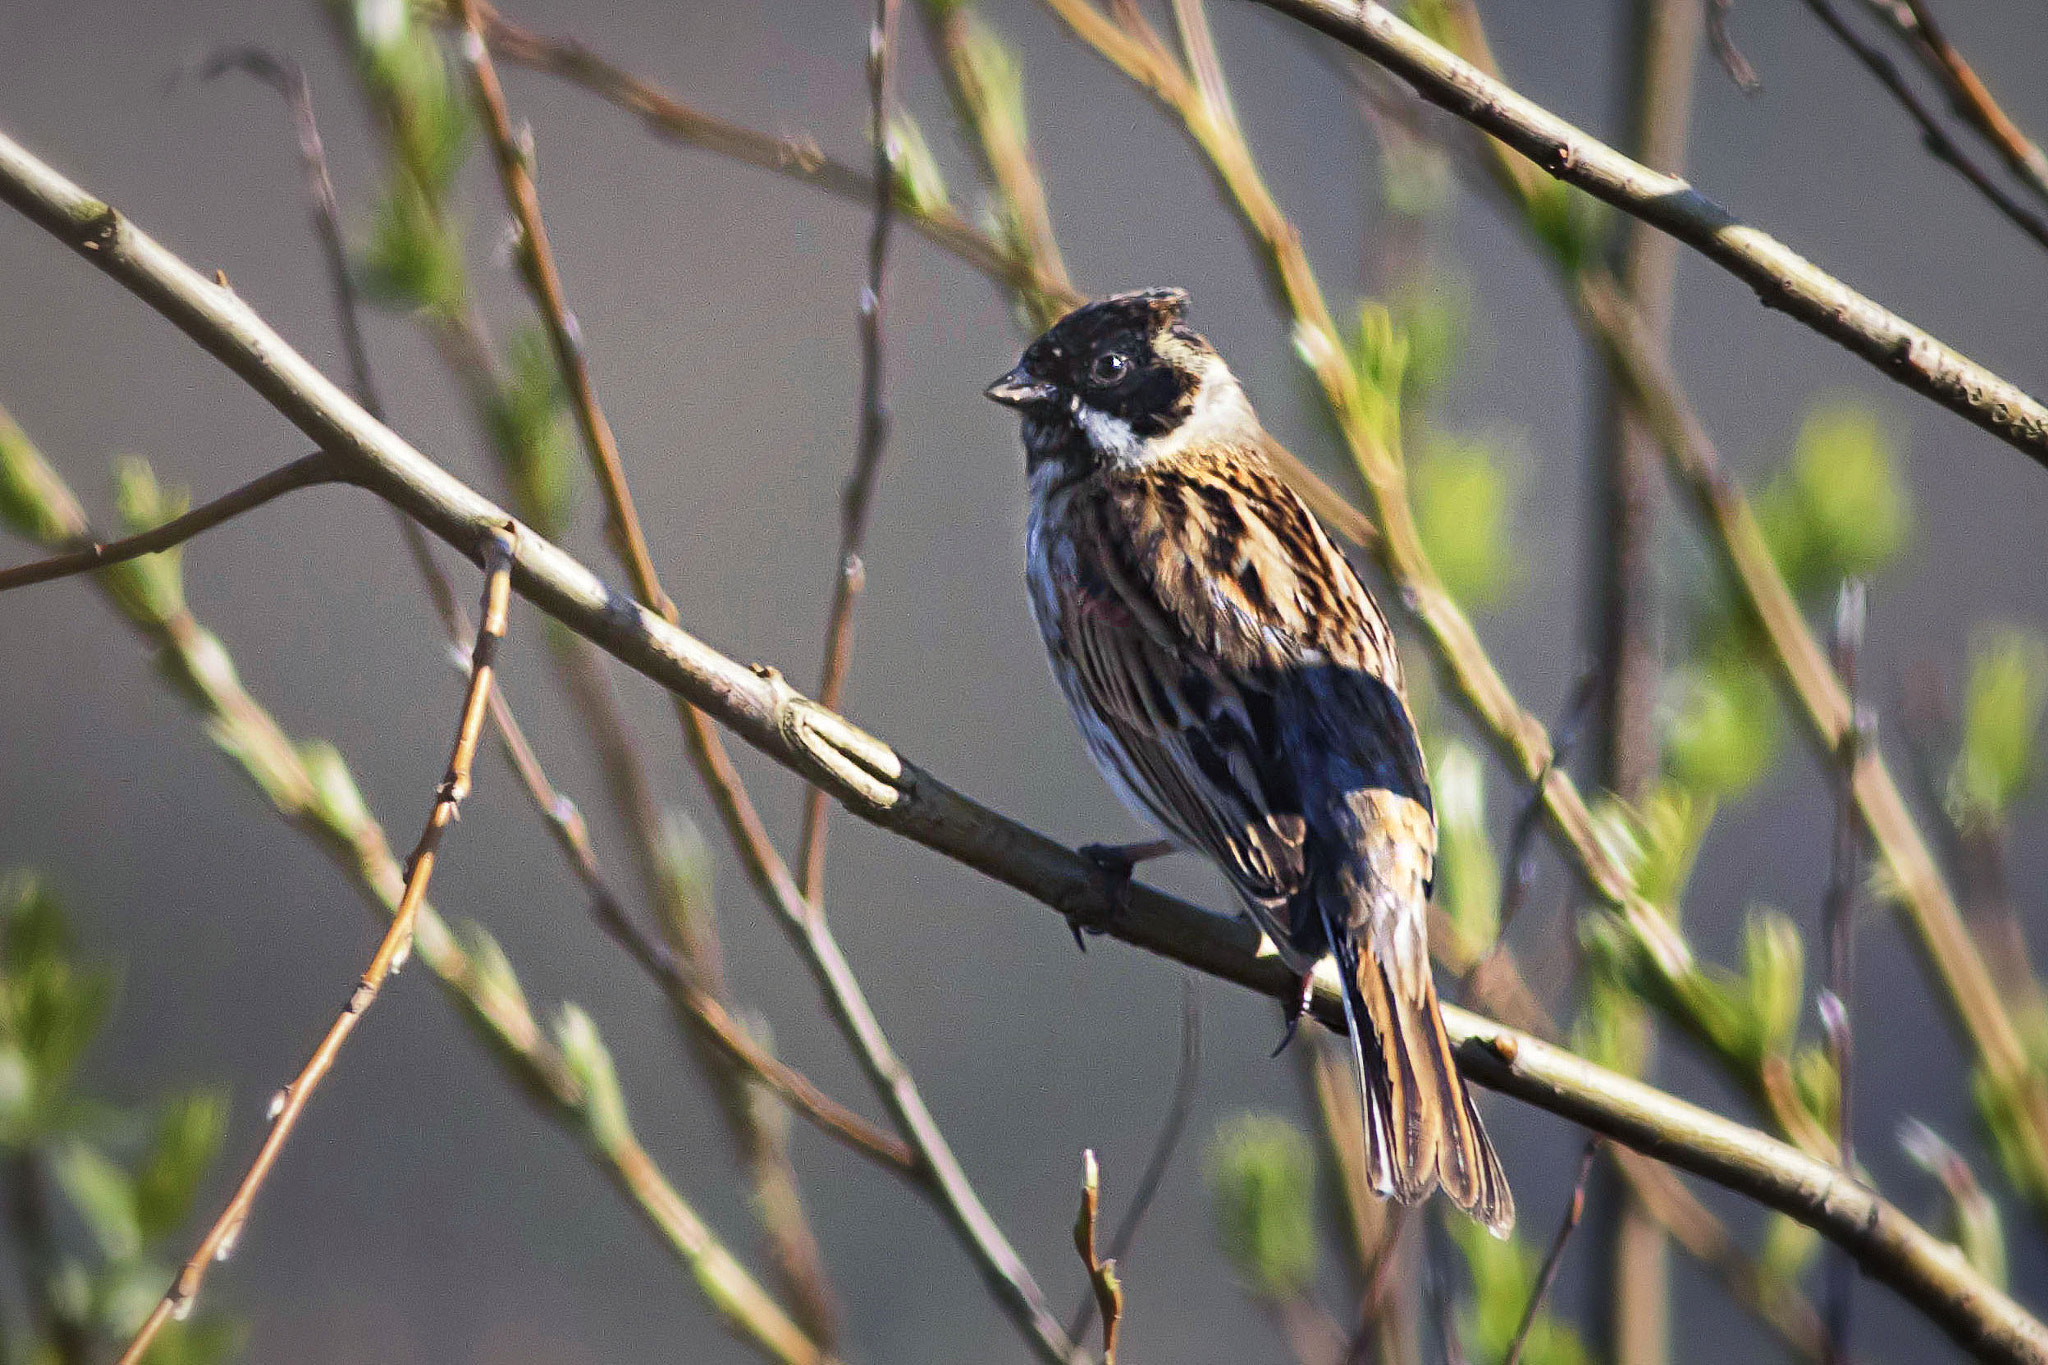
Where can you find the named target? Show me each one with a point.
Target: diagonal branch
(1914, 20)
(303, 472)
(1781, 277)
(1933, 133)
(880, 785)
(392, 951)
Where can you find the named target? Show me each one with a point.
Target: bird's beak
(1018, 389)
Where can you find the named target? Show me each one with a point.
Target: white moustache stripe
(1112, 437)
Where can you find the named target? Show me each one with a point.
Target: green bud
(590, 1063)
(1775, 965)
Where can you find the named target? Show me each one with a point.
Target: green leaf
(104, 1196)
(413, 258)
(604, 1104)
(2001, 725)
(1722, 735)
(528, 421)
(187, 1139)
(1262, 1183)
(1464, 503)
(1841, 509)
(1468, 878)
(920, 184)
(1775, 968)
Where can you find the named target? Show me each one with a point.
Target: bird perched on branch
(1238, 687)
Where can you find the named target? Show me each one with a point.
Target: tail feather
(1422, 1130)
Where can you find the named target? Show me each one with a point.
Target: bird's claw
(1113, 867)
(1296, 1008)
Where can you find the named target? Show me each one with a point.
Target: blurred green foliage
(98, 1190)
(1262, 1187)
(2001, 725)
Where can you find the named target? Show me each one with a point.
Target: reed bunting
(1238, 687)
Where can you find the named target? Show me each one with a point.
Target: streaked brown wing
(1181, 736)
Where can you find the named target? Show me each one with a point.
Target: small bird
(1238, 687)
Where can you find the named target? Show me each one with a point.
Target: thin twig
(1933, 133)
(1102, 1277)
(303, 472)
(850, 574)
(1002, 1269)
(1967, 92)
(392, 951)
(1187, 1081)
(1721, 38)
(879, 784)
(1782, 278)
(658, 960)
(1573, 1212)
(1838, 925)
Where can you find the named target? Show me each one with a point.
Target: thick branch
(1781, 277)
(875, 782)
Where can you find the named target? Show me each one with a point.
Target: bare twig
(1782, 278)
(1186, 1081)
(1721, 38)
(392, 951)
(1971, 98)
(685, 993)
(880, 785)
(303, 472)
(1573, 1212)
(1933, 133)
(1838, 925)
(1102, 1277)
(850, 574)
(1664, 55)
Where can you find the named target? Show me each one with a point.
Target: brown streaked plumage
(1238, 687)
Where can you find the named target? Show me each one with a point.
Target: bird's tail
(1421, 1130)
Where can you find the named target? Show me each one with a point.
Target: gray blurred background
(425, 1212)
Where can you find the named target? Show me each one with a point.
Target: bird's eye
(1109, 368)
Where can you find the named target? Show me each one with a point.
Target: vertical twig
(288, 1104)
(1574, 1211)
(1838, 923)
(1102, 1278)
(851, 573)
(1663, 59)
(1187, 1081)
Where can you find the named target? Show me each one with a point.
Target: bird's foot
(1114, 864)
(1296, 1008)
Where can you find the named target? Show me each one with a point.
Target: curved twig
(304, 472)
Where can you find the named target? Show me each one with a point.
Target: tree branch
(880, 785)
(1781, 277)
(303, 472)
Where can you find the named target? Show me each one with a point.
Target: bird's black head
(1109, 380)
